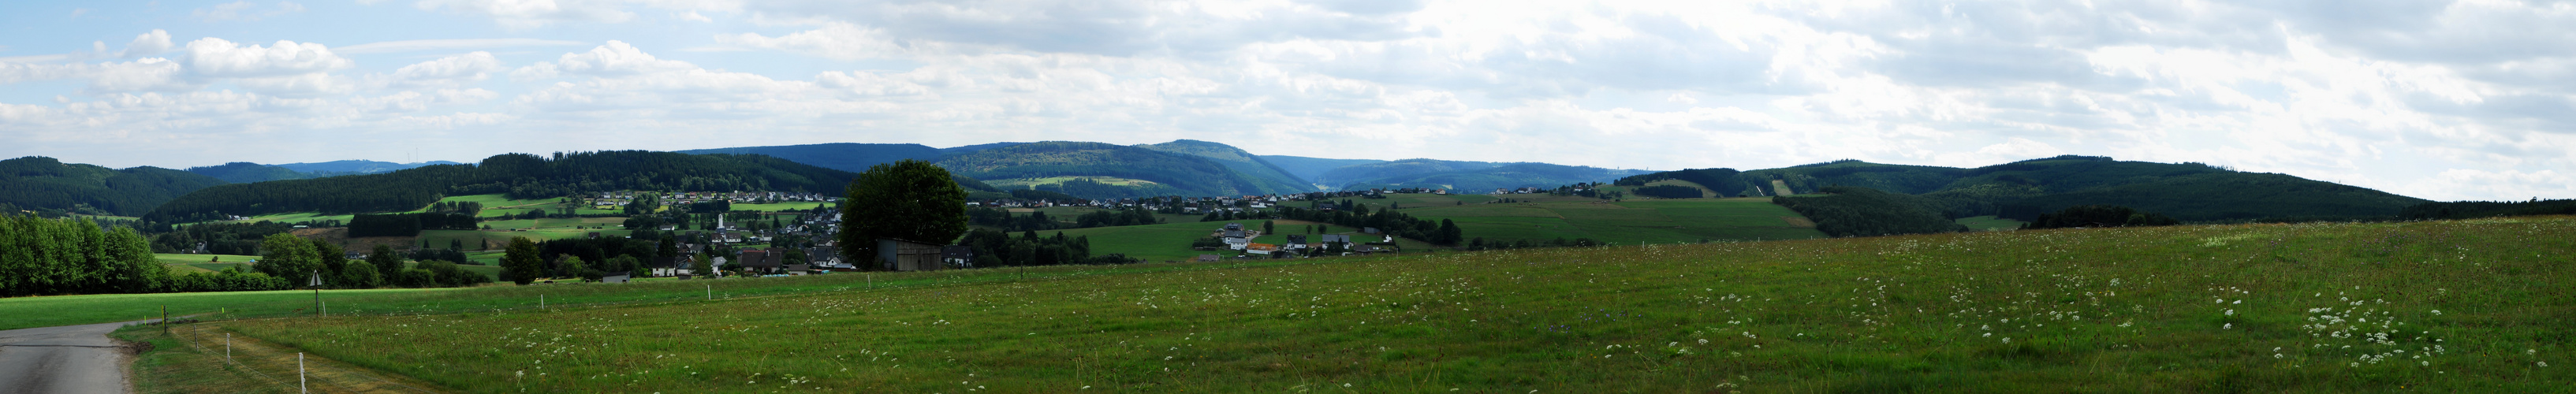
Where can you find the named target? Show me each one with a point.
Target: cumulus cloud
(2434, 99)
(216, 57)
(519, 14)
(616, 58)
(470, 67)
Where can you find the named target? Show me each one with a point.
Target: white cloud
(470, 67)
(215, 57)
(452, 45)
(147, 44)
(616, 58)
(520, 14)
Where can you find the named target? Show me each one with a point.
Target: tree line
(407, 224)
(1850, 211)
(1387, 220)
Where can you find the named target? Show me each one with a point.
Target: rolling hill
(1272, 176)
(2024, 189)
(515, 175)
(246, 172)
(1162, 173)
(841, 156)
(43, 183)
(357, 166)
(1485, 179)
(1310, 169)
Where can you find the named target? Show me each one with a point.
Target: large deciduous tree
(909, 199)
(521, 261)
(287, 256)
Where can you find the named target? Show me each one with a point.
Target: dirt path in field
(276, 364)
(65, 359)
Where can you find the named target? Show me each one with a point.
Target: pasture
(2461, 306)
(781, 206)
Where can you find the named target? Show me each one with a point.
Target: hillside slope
(1311, 169)
(516, 175)
(1270, 175)
(1170, 173)
(1471, 179)
(245, 172)
(850, 157)
(37, 182)
(2024, 189)
(358, 166)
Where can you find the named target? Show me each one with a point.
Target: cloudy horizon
(2467, 100)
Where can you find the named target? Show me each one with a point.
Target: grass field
(784, 206)
(296, 217)
(1545, 217)
(183, 263)
(496, 205)
(1989, 223)
(2467, 306)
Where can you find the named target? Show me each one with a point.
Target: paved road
(66, 359)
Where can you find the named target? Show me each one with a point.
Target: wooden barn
(904, 255)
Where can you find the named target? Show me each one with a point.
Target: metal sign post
(317, 293)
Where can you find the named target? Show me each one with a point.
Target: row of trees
(298, 261)
(2099, 216)
(54, 256)
(407, 224)
(999, 249)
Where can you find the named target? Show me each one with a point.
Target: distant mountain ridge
(343, 167)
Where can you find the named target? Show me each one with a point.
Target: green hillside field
(2447, 306)
(1539, 217)
(1170, 242)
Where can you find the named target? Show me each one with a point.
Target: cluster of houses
(1200, 205)
(1238, 238)
(619, 199)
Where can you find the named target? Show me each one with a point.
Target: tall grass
(2466, 306)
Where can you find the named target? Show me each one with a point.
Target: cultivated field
(2466, 306)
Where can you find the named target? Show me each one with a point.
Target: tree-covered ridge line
(48, 186)
(1183, 174)
(519, 176)
(2025, 189)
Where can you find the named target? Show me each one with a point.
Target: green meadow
(2458, 306)
(1989, 223)
(1541, 217)
(781, 207)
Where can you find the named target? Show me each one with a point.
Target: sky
(2467, 100)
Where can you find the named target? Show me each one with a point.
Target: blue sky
(2441, 100)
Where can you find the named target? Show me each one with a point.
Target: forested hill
(850, 157)
(1465, 176)
(243, 172)
(43, 183)
(518, 175)
(1506, 176)
(1272, 176)
(1311, 169)
(2024, 189)
(1170, 173)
